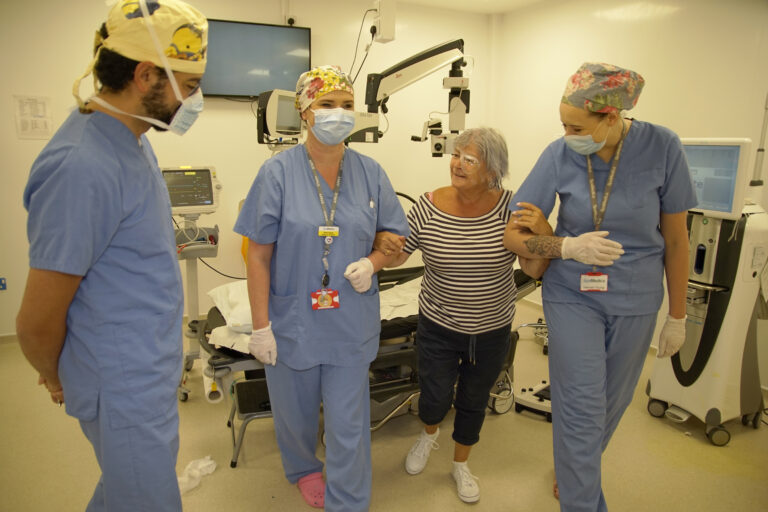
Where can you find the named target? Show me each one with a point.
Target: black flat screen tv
(246, 59)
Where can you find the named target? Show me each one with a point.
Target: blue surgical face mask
(332, 125)
(584, 144)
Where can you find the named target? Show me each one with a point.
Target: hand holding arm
(388, 243)
(591, 248)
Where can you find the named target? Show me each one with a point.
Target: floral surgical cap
(318, 82)
(604, 88)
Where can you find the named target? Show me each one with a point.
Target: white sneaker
(419, 455)
(466, 483)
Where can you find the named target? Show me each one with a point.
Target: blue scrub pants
(595, 362)
(295, 397)
(138, 463)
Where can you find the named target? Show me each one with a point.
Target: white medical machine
(714, 376)
(278, 122)
(193, 191)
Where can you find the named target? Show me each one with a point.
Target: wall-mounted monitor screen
(245, 59)
(719, 169)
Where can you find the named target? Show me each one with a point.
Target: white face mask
(332, 125)
(585, 144)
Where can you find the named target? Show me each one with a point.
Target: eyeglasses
(466, 160)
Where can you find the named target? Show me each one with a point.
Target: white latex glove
(359, 274)
(263, 345)
(672, 337)
(591, 249)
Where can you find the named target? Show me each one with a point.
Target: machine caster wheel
(188, 364)
(518, 408)
(183, 396)
(549, 417)
(756, 420)
(657, 408)
(545, 350)
(232, 464)
(745, 420)
(718, 436)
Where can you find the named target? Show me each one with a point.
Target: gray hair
(492, 149)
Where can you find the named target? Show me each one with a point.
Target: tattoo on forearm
(545, 246)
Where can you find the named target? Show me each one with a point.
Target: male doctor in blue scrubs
(100, 319)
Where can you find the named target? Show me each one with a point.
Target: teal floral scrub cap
(603, 88)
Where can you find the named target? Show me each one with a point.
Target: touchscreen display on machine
(189, 187)
(714, 171)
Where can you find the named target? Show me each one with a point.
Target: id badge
(594, 282)
(328, 231)
(325, 298)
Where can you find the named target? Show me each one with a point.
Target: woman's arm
(390, 247)
(675, 233)
(259, 259)
(529, 235)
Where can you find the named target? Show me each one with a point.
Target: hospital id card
(325, 298)
(328, 231)
(594, 282)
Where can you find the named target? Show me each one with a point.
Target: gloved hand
(359, 274)
(672, 337)
(591, 249)
(263, 345)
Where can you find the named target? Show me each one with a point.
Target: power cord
(367, 51)
(357, 44)
(201, 259)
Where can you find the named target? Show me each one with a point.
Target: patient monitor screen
(714, 170)
(189, 187)
(288, 120)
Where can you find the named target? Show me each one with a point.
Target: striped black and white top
(468, 284)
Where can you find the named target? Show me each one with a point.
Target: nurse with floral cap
(624, 189)
(311, 217)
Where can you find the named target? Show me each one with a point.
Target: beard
(155, 107)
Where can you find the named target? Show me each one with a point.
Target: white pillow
(232, 301)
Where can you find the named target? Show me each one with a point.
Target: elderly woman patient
(467, 299)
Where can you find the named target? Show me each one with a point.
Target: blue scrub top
(283, 208)
(652, 177)
(99, 208)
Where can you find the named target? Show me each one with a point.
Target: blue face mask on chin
(332, 125)
(584, 144)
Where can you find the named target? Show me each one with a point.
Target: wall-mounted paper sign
(33, 117)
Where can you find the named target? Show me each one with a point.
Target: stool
(251, 401)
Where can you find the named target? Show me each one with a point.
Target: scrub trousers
(295, 397)
(595, 361)
(138, 463)
(475, 359)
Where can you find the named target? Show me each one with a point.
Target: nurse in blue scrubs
(624, 189)
(311, 217)
(101, 315)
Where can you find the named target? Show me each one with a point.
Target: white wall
(55, 48)
(704, 63)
